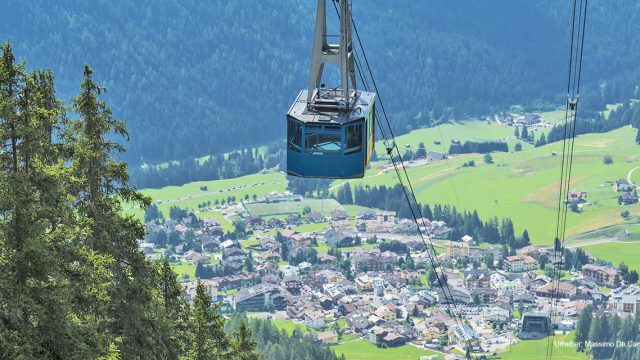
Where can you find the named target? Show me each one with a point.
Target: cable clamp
(573, 103)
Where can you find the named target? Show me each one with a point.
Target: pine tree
(208, 338)
(38, 233)
(582, 328)
(243, 345)
(101, 183)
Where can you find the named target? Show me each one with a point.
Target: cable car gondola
(330, 131)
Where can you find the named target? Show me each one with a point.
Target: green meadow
(525, 185)
(190, 195)
(364, 350)
(475, 130)
(537, 349)
(323, 206)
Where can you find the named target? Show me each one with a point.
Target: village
(370, 276)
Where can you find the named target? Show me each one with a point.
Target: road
(631, 173)
(210, 193)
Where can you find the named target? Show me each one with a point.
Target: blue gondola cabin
(326, 140)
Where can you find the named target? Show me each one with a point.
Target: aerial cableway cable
(431, 98)
(571, 109)
(408, 191)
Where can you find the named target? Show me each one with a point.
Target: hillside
(524, 185)
(520, 185)
(202, 78)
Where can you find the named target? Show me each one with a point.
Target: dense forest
(74, 283)
(626, 114)
(614, 337)
(197, 78)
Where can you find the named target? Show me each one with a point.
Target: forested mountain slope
(193, 78)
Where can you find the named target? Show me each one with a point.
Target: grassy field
(364, 350)
(537, 349)
(616, 252)
(185, 269)
(464, 131)
(189, 195)
(524, 185)
(324, 206)
(290, 325)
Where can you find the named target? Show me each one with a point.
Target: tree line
(626, 114)
(478, 147)
(605, 332)
(213, 167)
(493, 230)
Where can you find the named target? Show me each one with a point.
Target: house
(327, 259)
(212, 226)
(625, 299)
(339, 239)
(293, 284)
(529, 119)
(340, 225)
(293, 220)
(477, 279)
(602, 275)
(463, 335)
(454, 294)
(371, 260)
(233, 254)
(385, 313)
(275, 223)
(622, 185)
(255, 221)
(227, 244)
(577, 197)
(455, 249)
(435, 156)
(627, 199)
(530, 250)
(269, 243)
(210, 243)
(557, 289)
(338, 214)
(468, 239)
(520, 263)
(496, 315)
(366, 215)
(270, 279)
(325, 302)
(364, 283)
(358, 322)
(346, 308)
(266, 268)
(259, 298)
(196, 257)
(386, 337)
(314, 319)
(334, 291)
(386, 216)
(295, 239)
(328, 337)
(315, 217)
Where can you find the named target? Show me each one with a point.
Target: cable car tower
(330, 131)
